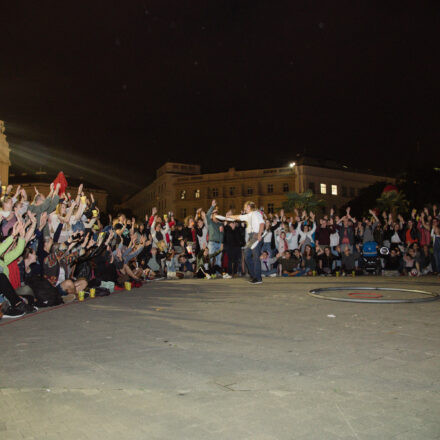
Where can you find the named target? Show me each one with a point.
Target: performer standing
(254, 228)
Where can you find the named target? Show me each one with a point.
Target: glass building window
(334, 190)
(250, 191)
(285, 187)
(214, 192)
(197, 194)
(182, 194)
(312, 186)
(270, 208)
(323, 188)
(231, 190)
(270, 188)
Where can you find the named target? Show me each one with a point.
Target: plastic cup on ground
(127, 285)
(81, 295)
(92, 292)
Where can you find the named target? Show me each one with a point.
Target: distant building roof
(21, 178)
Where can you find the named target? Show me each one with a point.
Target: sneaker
(272, 275)
(13, 312)
(255, 281)
(226, 276)
(207, 276)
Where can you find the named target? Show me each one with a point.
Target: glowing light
(292, 164)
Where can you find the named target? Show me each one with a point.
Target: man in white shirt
(254, 229)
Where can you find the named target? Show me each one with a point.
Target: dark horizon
(119, 89)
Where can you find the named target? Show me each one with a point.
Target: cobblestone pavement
(220, 359)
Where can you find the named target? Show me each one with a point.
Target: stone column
(4, 156)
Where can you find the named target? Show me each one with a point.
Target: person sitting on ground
(186, 268)
(206, 266)
(309, 260)
(267, 269)
(349, 261)
(325, 262)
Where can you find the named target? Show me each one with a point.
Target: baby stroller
(370, 258)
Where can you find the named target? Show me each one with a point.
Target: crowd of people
(58, 245)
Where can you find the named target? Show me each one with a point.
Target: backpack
(46, 295)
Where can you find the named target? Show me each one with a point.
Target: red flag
(61, 179)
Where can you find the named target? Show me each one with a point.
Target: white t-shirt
(254, 219)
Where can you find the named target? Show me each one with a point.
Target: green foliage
(304, 201)
(393, 201)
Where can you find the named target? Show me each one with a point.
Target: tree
(304, 201)
(393, 201)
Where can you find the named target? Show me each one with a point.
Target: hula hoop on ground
(429, 296)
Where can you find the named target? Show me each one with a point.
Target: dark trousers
(253, 263)
(8, 291)
(234, 257)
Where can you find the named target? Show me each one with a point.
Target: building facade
(182, 189)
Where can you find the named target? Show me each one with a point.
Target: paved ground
(220, 359)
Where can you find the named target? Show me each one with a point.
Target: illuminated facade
(182, 189)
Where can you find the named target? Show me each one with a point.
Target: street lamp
(292, 164)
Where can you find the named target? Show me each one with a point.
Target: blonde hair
(250, 204)
(187, 219)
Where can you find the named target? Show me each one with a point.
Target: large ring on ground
(428, 296)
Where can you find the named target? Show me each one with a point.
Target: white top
(254, 219)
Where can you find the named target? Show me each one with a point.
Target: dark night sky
(119, 87)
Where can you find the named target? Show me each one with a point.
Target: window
(270, 208)
(323, 188)
(214, 192)
(285, 187)
(231, 206)
(250, 191)
(344, 191)
(183, 212)
(312, 186)
(182, 194)
(231, 190)
(352, 193)
(270, 188)
(334, 190)
(197, 194)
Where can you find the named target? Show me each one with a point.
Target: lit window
(285, 187)
(323, 188)
(270, 208)
(183, 194)
(334, 190)
(197, 194)
(250, 191)
(270, 188)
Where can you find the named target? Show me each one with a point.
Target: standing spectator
(215, 234)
